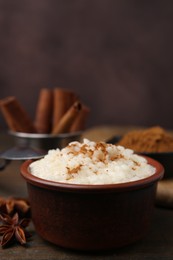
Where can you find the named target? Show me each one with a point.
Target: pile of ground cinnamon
(154, 139)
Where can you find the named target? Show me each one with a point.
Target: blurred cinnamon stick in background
(65, 123)
(44, 109)
(15, 116)
(164, 195)
(63, 100)
(79, 123)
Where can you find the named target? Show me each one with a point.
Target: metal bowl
(34, 146)
(44, 141)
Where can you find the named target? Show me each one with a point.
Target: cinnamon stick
(164, 195)
(43, 117)
(63, 99)
(79, 123)
(67, 120)
(16, 117)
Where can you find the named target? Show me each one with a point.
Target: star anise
(13, 229)
(10, 206)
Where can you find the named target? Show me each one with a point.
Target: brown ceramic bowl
(92, 217)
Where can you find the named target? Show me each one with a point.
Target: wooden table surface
(158, 244)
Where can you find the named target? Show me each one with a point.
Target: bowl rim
(70, 187)
(39, 135)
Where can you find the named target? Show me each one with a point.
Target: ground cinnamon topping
(74, 170)
(154, 139)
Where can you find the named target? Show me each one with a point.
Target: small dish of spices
(154, 142)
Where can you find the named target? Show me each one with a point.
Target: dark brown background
(117, 55)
